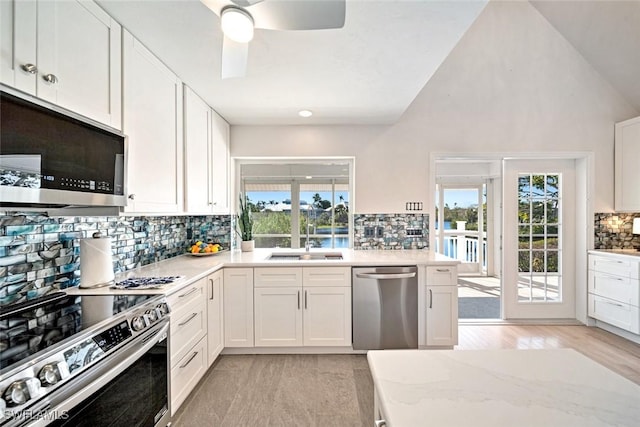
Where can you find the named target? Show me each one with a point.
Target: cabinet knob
(131, 197)
(29, 68)
(50, 78)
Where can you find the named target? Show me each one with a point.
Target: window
(289, 199)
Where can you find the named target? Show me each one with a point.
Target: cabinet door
(18, 20)
(80, 45)
(238, 307)
(220, 163)
(215, 325)
(327, 316)
(186, 373)
(153, 123)
(197, 149)
(627, 174)
(442, 315)
(278, 317)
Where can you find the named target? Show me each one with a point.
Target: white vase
(247, 245)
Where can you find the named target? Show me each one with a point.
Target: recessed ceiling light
(308, 177)
(305, 113)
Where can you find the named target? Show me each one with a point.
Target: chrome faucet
(307, 246)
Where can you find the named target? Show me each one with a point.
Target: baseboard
(504, 322)
(291, 350)
(620, 332)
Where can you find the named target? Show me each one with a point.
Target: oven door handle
(102, 373)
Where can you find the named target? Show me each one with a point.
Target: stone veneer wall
(391, 231)
(40, 254)
(613, 231)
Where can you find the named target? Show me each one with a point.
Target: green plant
(245, 221)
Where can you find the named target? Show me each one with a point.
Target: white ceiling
(365, 73)
(369, 71)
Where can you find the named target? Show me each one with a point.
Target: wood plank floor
(337, 390)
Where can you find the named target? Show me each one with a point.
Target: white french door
(538, 239)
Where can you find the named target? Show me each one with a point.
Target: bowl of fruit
(204, 249)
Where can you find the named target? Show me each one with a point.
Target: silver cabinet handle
(50, 78)
(380, 423)
(305, 300)
(385, 276)
(430, 298)
(298, 300)
(188, 293)
(211, 281)
(442, 270)
(613, 303)
(185, 364)
(29, 68)
(193, 315)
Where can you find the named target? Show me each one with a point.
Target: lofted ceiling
(371, 70)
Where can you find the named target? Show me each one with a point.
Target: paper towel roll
(96, 264)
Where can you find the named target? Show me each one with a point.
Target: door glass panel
(539, 251)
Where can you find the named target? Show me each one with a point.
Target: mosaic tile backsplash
(41, 254)
(391, 231)
(613, 231)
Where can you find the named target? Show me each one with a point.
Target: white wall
(512, 85)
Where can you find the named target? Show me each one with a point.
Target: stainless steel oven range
(91, 360)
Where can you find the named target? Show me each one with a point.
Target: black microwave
(52, 157)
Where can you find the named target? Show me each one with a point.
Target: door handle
(211, 281)
(193, 315)
(385, 276)
(305, 300)
(298, 300)
(188, 293)
(430, 298)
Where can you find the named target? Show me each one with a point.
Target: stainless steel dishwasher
(385, 307)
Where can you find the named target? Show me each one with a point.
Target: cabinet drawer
(187, 295)
(277, 276)
(188, 326)
(186, 373)
(622, 289)
(442, 276)
(621, 266)
(623, 316)
(326, 276)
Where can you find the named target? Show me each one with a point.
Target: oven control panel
(21, 389)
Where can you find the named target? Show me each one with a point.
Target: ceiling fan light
(305, 113)
(237, 24)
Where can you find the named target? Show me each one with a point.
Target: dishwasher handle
(384, 276)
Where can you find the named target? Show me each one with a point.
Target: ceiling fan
(238, 18)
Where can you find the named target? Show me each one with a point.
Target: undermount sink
(305, 256)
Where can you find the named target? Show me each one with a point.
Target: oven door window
(137, 397)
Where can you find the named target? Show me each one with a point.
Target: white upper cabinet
(220, 165)
(197, 154)
(627, 173)
(152, 120)
(206, 157)
(65, 52)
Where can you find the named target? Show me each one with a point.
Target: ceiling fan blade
(298, 15)
(234, 58)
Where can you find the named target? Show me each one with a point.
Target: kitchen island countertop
(488, 388)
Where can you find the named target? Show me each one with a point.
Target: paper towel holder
(102, 281)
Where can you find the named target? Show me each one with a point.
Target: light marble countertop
(193, 268)
(617, 252)
(559, 387)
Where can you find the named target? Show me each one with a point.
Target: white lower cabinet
(238, 307)
(186, 373)
(187, 340)
(441, 306)
(614, 290)
(302, 307)
(215, 318)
